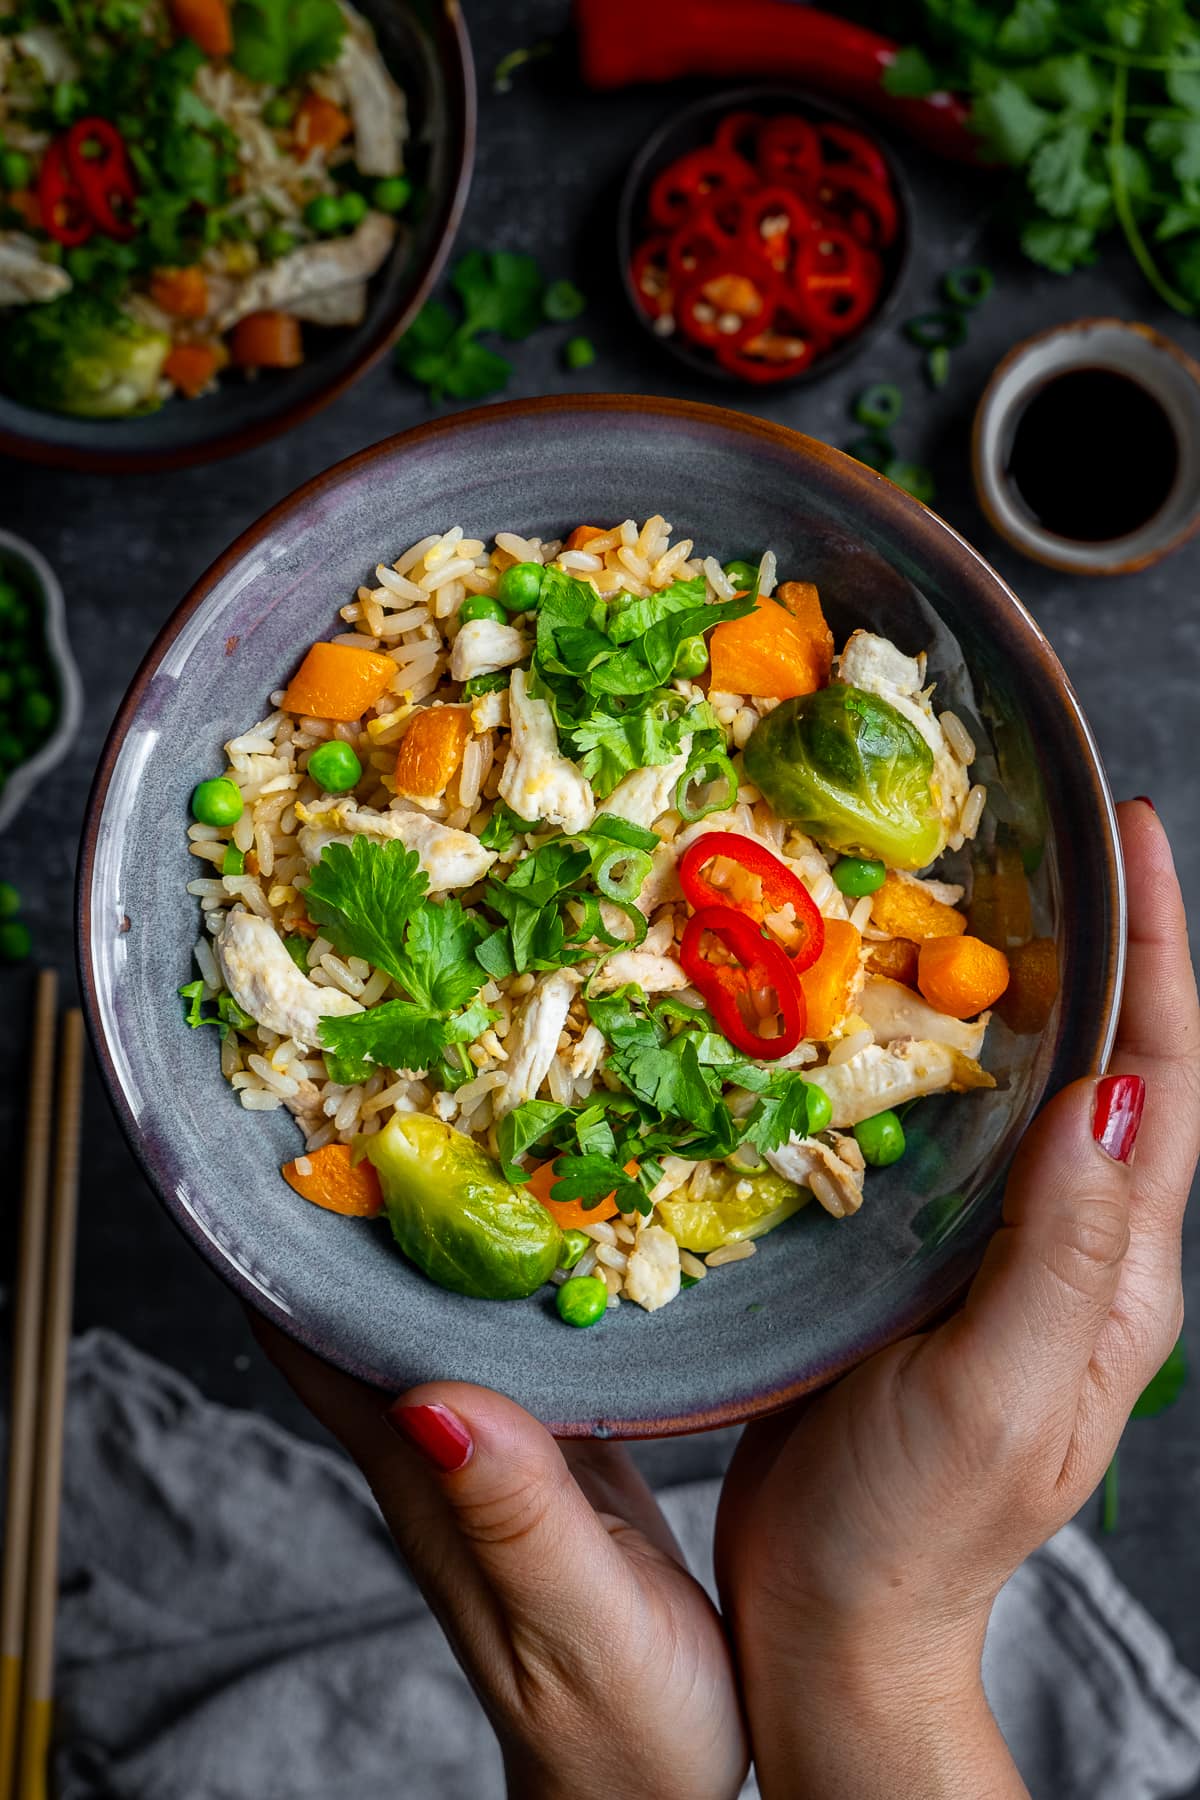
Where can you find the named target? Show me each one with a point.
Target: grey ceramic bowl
(819, 1295)
(28, 569)
(427, 49)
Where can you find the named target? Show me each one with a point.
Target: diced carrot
(801, 599)
(181, 292)
(961, 975)
(905, 909)
(431, 750)
(1001, 911)
(335, 681)
(827, 983)
(583, 535)
(331, 1179)
(571, 1215)
(319, 124)
(894, 957)
(1033, 982)
(768, 654)
(267, 340)
(26, 202)
(206, 22)
(190, 367)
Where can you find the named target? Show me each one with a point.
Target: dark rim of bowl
(905, 517)
(644, 164)
(460, 71)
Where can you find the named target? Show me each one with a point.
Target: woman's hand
(599, 1660)
(863, 1538)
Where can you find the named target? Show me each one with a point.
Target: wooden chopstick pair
(41, 1339)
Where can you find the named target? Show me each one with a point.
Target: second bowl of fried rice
(610, 842)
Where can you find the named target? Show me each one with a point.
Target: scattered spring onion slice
(561, 301)
(579, 353)
(877, 452)
(968, 286)
(914, 478)
(508, 65)
(708, 766)
(879, 406)
(929, 329)
(937, 365)
(636, 866)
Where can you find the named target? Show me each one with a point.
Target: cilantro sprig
(502, 294)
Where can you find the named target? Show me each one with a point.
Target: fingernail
(1119, 1103)
(435, 1431)
(1146, 801)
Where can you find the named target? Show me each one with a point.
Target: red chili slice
(844, 146)
(833, 285)
(730, 989)
(865, 206)
(772, 355)
(698, 245)
(789, 152)
(96, 154)
(779, 888)
(773, 222)
(738, 132)
(724, 304)
(693, 178)
(65, 213)
(650, 277)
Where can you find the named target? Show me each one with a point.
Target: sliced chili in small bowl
(695, 178)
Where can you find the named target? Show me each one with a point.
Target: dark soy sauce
(1094, 455)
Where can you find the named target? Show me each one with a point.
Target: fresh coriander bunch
(1096, 105)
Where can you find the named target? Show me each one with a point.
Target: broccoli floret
(79, 354)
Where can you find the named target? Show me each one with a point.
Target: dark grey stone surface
(550, 163)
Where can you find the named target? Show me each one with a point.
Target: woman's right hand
(863, 1537)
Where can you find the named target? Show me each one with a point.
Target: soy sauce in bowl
(1094, 455)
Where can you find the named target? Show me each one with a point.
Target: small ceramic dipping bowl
(36, 582)
(1119, 347)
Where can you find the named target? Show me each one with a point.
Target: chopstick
(26, 1358)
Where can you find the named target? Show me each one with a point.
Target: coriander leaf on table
(500, 292)
(1059, 246)
(562, 301)
(364, 895)
(279, 41)
(1009, 123)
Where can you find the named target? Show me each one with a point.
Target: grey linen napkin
(235, 1625)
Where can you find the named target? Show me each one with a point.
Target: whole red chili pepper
(96, 155)
(624, 41)
(729, 989)
(65, 214)
(778, 885)
(692, 178)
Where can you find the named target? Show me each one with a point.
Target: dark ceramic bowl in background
(427, 49)
(693, 127)
(819, 1294)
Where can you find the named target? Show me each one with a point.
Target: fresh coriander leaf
(617, 739)
(1183, 87)
(503, 826)
(1058, 176)
(495, 954)
(364, 895)
(500, 291)
(594, 1134)
(1177, 141)
(279, 41)
(688, 1281)
(632, 618)
(193, 993)
(910, 75)
(1030, 30)
(590, 1179)
(1185, 266)
(1059, 245)
(438, 966)
(1166, 1387)
(562, 301)
(399, 1034)
(1178, 219)
(778, 1113)
(231, 1016)
(1073, 82)
(474, 372)
(1009, 122)
(522, 1128)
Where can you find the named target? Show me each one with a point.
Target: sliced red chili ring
(730, 988)
(865, 206)
(724, 304)
(789, 152)
(738, 131)
(96, 155)
(778, 888)
(699, 244)
(772, 356)
(833, 286)
(773, 221)
(855, 149)
(693, 178)
(65, 213)
(650, 277)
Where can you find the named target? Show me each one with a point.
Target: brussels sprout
(847, 768)
(454, 1215)
(80, 355)
(722, 1218)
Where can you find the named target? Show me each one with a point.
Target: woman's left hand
(600, 1661)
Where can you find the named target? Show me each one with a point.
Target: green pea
(582, 1300)
(217, 802)
(579, 353)
(857, 875)
(276, 243)
(353, 207)
(519, 587)
(10, 906)
(335, 767)
(691, 658)
(573, 1246)
(743, 574)
(820, 1109)
(16, 171)
(16, 941)
(481, 606)
(37, 714)
(279, 112)
(297, 948)
(391, 195)
(881, 1139)
(324, 214)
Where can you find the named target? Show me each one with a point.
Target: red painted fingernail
(435, 1431)
(1146, 801)
(1119, 1103)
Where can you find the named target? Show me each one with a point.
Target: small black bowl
(694, 127)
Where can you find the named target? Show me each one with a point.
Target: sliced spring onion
(592, 925)
(968, 286)
(879, 406)
(914, 478)
(709, 766)
(876, 452)
(937, 365)
(947, 327)
(635, 866)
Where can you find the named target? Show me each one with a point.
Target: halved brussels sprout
(453, 1213)
(848, 769)
(722, 1218)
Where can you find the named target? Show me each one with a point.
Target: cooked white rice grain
(691, 1265)
(972, 811)
(206, 962)
(850, 1046)
(729, 1253)
(961, 743)
(611, 1258)
(601, 1232)
(398, 586)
